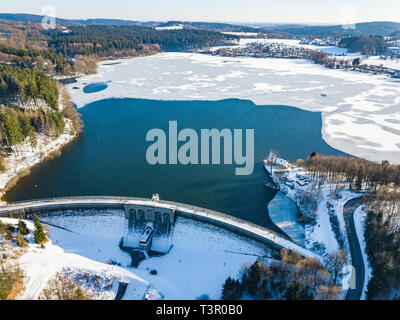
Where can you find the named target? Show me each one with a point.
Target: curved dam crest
(22, 209)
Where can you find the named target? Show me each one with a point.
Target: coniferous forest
(25, 82)
(104, 40)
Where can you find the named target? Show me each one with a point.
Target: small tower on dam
(147, 219)
(157, 213)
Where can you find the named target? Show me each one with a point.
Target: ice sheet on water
(351, 97)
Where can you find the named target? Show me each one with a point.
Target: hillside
(378, 28)
(210, 26)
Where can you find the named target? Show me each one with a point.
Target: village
(302, 49)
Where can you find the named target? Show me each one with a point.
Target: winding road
(355, 249)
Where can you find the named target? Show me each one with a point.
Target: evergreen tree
(39, 235)
(23, 229)
(20, 240)
(8, 235)
(306, 294)
(231, 289)
(252, 280)
(313, 154)
(293, 291)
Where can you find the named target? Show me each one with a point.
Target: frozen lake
(360, 112)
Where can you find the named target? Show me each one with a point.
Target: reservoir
(109, 158)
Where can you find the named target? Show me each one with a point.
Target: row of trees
(365, 45)
(293, 278)
(17, 125)
(383, 249)
(354, 172)
(29, 57)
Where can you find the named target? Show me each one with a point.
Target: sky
(261, 11)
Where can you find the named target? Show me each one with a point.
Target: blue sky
(310, 11)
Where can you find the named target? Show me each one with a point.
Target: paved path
(355, 249)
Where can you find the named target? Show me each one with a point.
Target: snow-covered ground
(320, 236)
(359, 222)
(201, 259)
(283, 213)
(378, 61)
(26, 157)
(41, 265)
(360, 111)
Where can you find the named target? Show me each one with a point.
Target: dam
(155, 209)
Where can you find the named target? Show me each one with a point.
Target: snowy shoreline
(42, 264)
(360, 111)
(27, 158)
(320, 236)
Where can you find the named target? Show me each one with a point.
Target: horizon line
(207, 21)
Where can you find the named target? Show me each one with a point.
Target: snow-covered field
(40, 265)
(201, 259)
(387, 63)
(359, 222)
(360, 111)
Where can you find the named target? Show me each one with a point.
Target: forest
(355, 172)
(104, 40)
(380, 183)
(365, 45)
(19, 123)
(26, 83)
(293, 278)
(45, 60)
(383, 250)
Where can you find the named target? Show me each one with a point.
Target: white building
(274, 160)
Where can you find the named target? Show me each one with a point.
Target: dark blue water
(95, 87)
(110, 156)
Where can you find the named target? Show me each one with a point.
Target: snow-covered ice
(360, 112)
(283, 212)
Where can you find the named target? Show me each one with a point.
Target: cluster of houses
(320, 42)
(5, 35)
(379, 70)
(280, 50)
(275, 161)
(282, 166)
(393, 47)
(265, 50)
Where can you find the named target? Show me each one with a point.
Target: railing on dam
(200, 214)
